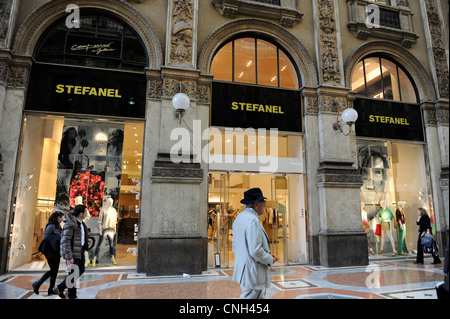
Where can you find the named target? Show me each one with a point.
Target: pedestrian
(50, 248)
(74, 242)
(251, 247)
(424, 223)
(446, 261)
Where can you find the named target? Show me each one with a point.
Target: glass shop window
(255, 61)
(65, 162)
(380, 78)
(101, 41)
(394, 181)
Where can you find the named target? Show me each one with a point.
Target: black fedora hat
(252, 195)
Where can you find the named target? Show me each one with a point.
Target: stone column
(341, 239)
(13, 77)
(436, 112)
(174, 208)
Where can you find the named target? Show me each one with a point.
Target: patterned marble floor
(393, 279)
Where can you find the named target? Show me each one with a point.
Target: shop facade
(266, 83)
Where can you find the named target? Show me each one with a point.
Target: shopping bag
(378, 230)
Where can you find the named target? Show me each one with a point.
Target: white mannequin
(108, 215)
(107, 220)
(79, 200)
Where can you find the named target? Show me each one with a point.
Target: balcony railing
(389, 18)
(393, 23)
(274, 2)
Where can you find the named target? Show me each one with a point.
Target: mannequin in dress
(385, 215)
(401, 227)
(107, 220)
(366, 227)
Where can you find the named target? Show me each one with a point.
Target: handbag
(43, 246)
(426, 241)
(378, 230)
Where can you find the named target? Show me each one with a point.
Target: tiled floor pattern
(399, 279)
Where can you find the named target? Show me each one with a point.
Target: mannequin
(107, 220)
(366, 227)
(385, 215)
(401, 227)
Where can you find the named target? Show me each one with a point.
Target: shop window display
(64, 162)
(394, 187)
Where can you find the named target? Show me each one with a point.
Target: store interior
(107, 161)
(283, 220)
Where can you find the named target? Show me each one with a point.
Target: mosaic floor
(393, 279)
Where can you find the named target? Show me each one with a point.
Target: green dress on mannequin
(401, 223)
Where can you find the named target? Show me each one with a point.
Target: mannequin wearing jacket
(251, 247)
(107, 221)
(385, 215)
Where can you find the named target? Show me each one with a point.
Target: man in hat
(251, 247)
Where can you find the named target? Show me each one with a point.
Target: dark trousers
(53, 263)
(63, 285)
(419, 258)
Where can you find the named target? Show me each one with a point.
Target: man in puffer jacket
(74, 242)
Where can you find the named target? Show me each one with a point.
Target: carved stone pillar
(14, 72)
(8, 12)
(181, 37)
(436, 112)
(176, 196)
(341, 241)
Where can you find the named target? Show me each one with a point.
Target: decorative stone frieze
(181, 42)
(288, 16)
(328, 42)
(438, 48)
(14, 69)
(5, 13)
(165, 171)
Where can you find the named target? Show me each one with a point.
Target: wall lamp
(180, 102)
(349, 116)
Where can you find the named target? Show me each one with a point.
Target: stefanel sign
(65, 89)
(237, 105)
(388, 120)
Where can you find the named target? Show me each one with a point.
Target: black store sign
(64, 89)
(388, 120)
(244, 106)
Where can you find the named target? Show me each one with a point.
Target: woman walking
(424, 223)
(50, 248)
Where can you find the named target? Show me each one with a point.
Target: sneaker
(93, 264)
(113, 260)
(59, 293)
(86, 263)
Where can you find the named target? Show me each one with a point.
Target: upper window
(101, 41)
(255, 61)
(379, 78)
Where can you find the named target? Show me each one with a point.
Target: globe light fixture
(349, 116)
(180, 102)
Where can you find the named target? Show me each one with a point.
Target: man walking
(251, 247)
(73, 244)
